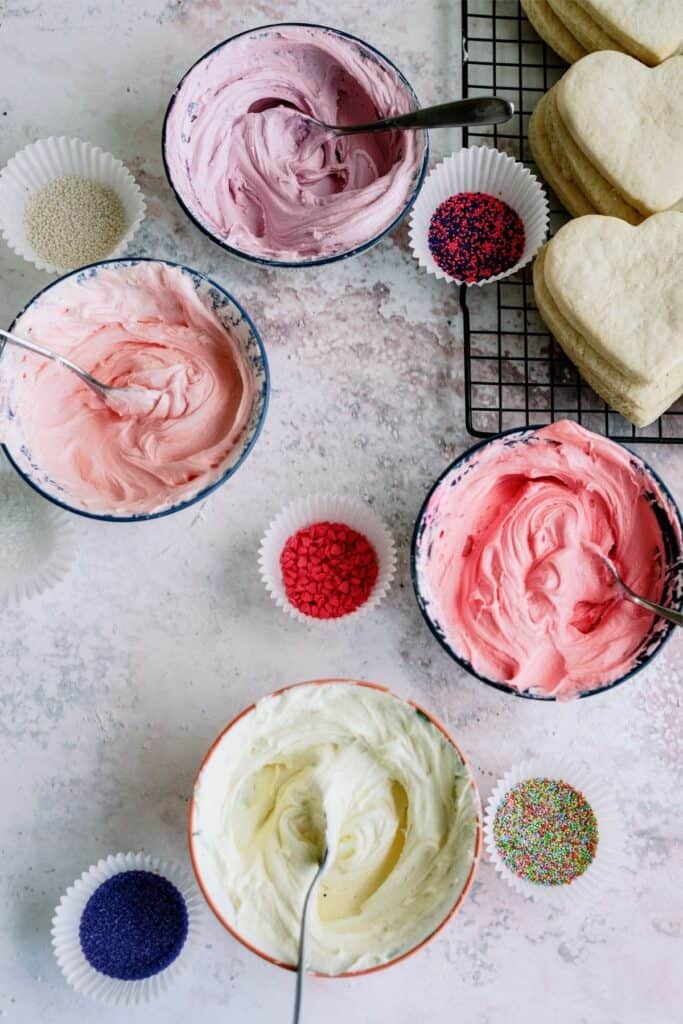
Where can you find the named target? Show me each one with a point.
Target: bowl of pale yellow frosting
(255, 176)
(374, 776)
(149, 325)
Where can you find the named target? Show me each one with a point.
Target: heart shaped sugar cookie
(620, 287)
(628, 120)
(639, 403)
(584, 28)
(650, 29)
(576, 167)
(554, 31)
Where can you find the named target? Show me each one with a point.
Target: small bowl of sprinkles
(123, 930)
(327, 558)
(481, 216)
(65, 204)
(552, 831)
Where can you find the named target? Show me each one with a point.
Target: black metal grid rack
(516, 375)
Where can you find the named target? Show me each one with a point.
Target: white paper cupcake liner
(600, 874)
(44, 161)
(480, 169)
(66, 922)
(37, 539)
(334, 509)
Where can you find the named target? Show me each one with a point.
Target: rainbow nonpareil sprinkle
(546, 831)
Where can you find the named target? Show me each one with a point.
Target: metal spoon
(666, 613)
(458, 114)
(124, 401)
(301, 963)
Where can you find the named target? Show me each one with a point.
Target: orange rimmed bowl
(201, 858)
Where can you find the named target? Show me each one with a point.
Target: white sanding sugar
(72, 221)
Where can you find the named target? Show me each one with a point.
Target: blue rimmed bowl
(242, 330)
(668, 517)
(180, 95)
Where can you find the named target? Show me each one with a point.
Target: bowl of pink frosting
(507, 567)
(248, 170)
(149, 324)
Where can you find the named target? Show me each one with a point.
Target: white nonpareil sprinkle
(72, 221)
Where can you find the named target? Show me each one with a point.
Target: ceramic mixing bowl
(205, 868)
(184, 94)
(242, 328)
(668, 517)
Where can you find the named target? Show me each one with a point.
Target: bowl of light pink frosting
(147, 324)
(248, 170)
(508, 570)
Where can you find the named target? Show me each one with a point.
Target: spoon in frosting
(127, 401)
(457, 114)
(666, 613)
(301, 963)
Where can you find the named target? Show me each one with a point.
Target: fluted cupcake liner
(317, 509)
(38, 541)
(67, 918)
(57, 157)
(480, 169)
(602, 870)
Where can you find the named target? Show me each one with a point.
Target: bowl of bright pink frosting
(507, 566)
(248, 171)
(152, 325)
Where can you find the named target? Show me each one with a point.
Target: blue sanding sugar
(133, 926)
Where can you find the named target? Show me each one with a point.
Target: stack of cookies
(651, 30)
(611, 294)
(608, 138)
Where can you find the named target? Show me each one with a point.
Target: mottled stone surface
(114, 684)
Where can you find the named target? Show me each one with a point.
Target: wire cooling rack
(516, 375)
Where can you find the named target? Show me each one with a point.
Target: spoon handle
(301, 964)
(460, 113)
(666, 613)
(47, 353)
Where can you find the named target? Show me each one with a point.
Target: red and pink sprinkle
(473, 236)
(328, 570)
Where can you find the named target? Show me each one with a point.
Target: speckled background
(114, 684)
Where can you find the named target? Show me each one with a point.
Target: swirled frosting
(401, 824)
(145, 325)
(510, 564)
(246, 166)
